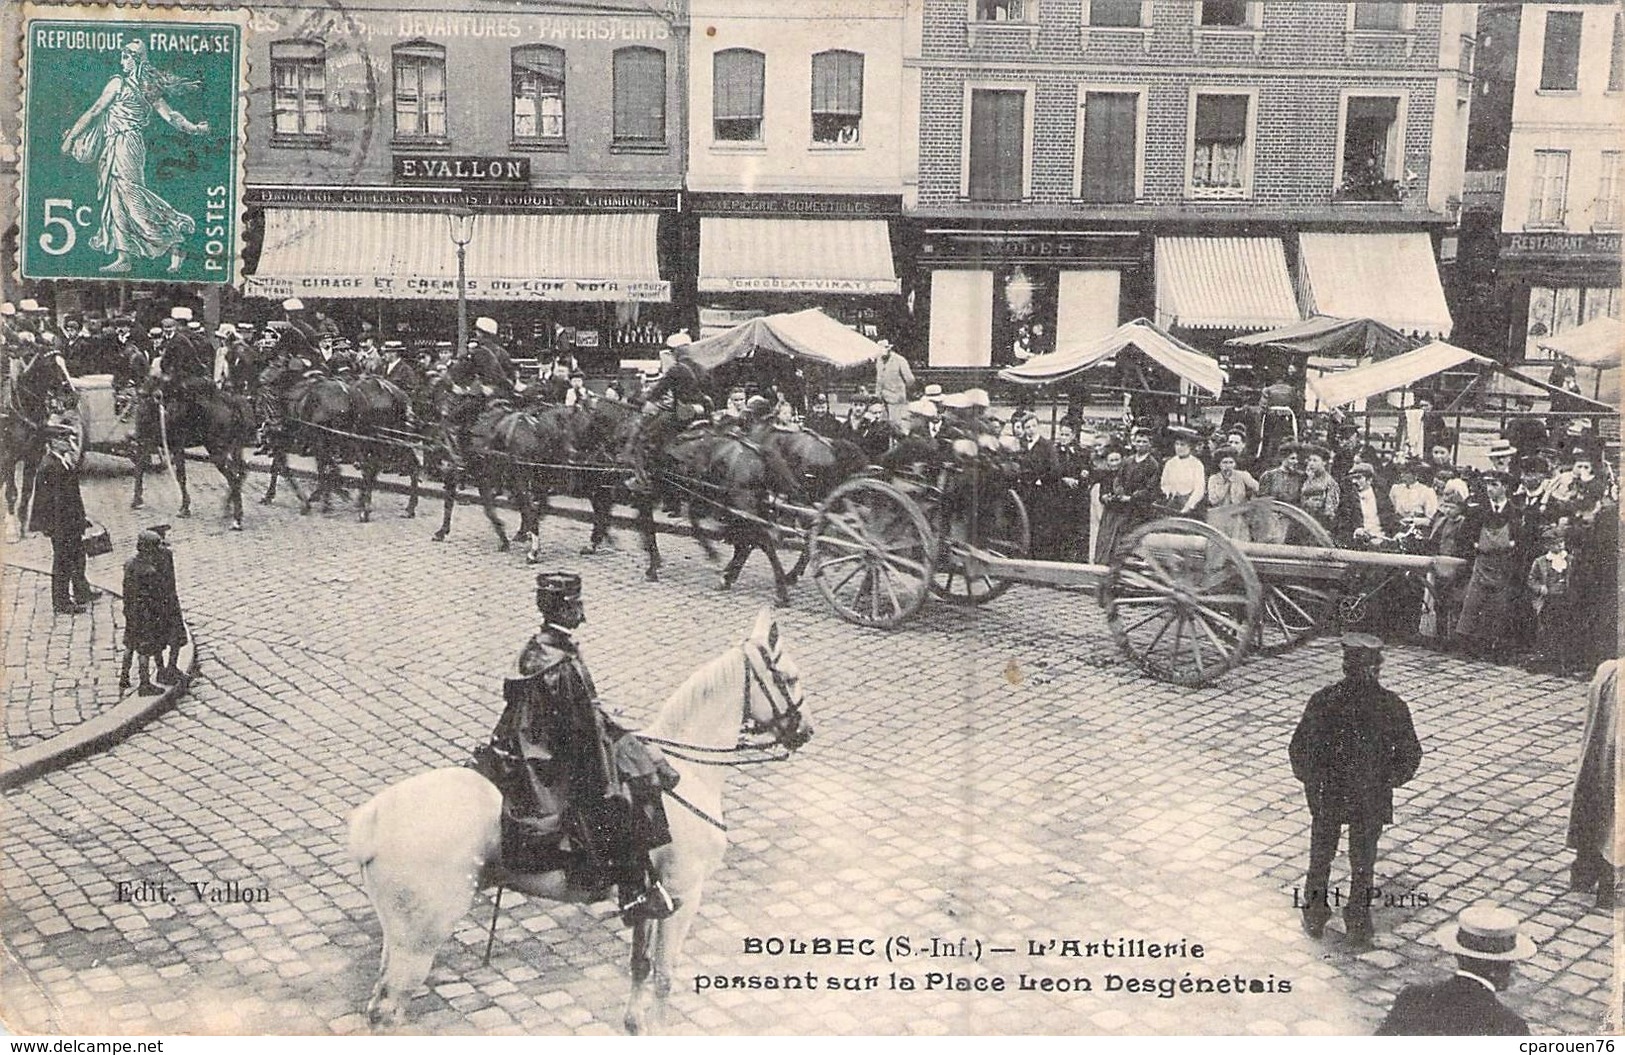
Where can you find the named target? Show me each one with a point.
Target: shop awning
(796, 256)
(1224, 283)
(1363, 382)
(1598, 343)
(806, 334)
(410, 256)
(1139, 335)
(1392, 278)
(1328, 338)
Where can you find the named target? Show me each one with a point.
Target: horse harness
(761, 675)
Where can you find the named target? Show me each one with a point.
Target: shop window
(1221, 160)
(1560, 56)
(640, 95)
(1555, 310)
(299, 91)
(996, 168)
(1120, 13)
(1616, 56)
(1607, 215)
(1023, 314)
(420, 91)
(1379, 17)
(1110, 129)
(538, 92)
(1549, 189)
(737, 77)
(837, 97)
(1371, 149)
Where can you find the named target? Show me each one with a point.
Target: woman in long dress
(112, 134)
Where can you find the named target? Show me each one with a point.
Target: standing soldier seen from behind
(579, 792)
(1354, 745)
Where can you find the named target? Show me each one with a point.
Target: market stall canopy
(1327, 337)
(1597, 344)
(808, 334)
(1363, 382)
(1139, 335)
(743, 255)
(1391, 277)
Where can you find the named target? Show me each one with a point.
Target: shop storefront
(1555, 282)
(584, 271)
(766, 253)
(995, 297)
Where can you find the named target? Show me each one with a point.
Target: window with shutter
(1379, 17)
(998, 136)
(1370, 149)
(640, 95)
(837, 97)
(1110, 126)
(1549, 188)
(1219, 146)
(420, 91)
(1560, 55)
(1616, 57)
(1608, 198)
(737, 77)
(298, 90)
(538, 92)
(1114, 12)
(1224, 13)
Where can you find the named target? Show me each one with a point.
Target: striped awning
(796, 256)
(1224, 283)
(1391, 277)
(410, 256)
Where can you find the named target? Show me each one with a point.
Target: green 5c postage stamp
(132, 121)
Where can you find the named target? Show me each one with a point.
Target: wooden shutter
(1109, 130)
(998, 141)
(736, 86)
(640, 95)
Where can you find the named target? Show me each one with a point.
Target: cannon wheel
(871, 553)
(1010, 535)
(1184, 615)
(1295, 609)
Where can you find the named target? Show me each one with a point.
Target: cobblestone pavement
(999, 774)
(60, 670)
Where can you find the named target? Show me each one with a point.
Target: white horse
(426, 844)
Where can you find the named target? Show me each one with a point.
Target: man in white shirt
(1184, 477)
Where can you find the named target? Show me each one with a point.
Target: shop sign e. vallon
(444, 169)
(418, 287)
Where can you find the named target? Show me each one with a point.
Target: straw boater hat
(293, 304)
(181, 313)
(933, 392)
(680, 339)
(1486, 931)
(1502, 449)
(923, 407)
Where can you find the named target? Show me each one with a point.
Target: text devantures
(397, 287)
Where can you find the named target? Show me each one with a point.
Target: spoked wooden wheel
(1182, 600)
(871, 553)
(1002, 528)
(1300, 606)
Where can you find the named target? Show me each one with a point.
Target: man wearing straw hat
(1487, 943)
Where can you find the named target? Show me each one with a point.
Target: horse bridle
(761, 675)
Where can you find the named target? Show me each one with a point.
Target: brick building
(1219, 167)
(800, 135)
(559, 126)
(1560, 224)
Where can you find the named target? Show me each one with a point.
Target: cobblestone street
(1000, 774)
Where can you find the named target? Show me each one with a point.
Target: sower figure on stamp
(1353, 746)
(578, 791)
(151, 623)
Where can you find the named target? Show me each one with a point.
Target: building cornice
(1120, 71)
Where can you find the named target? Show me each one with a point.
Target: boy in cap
(150, 621)
(566, 771)
(1354, 745)
(1552, 597)
(1486, 941)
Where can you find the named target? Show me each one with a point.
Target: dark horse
(198, 416)
(332, 420)
(721, 473)
(518, 450)
(42, 386)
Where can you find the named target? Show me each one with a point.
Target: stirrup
(654, 903)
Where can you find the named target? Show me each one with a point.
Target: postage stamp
(132, 132)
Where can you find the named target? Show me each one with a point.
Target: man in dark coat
(1353, 746)
(57, 510)
(1486, 942)
(149, 619)
(1141, 481)
(566, 771)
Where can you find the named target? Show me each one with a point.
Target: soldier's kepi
(579, 792)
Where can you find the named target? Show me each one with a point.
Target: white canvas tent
(1363, 382)
(1141, 336)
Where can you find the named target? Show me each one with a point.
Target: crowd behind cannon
(1538, 526)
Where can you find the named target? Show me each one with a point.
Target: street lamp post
(460, 223)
